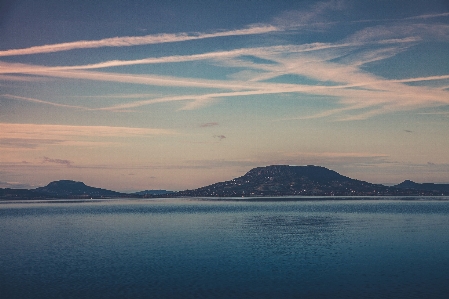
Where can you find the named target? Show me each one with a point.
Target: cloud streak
(350, 82)
(57, 161)
(56, 132)
(26, 143)
(317, 15)
(337, 67)
(128, 41)
(33, 100)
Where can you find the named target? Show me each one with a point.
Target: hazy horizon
(177, 95)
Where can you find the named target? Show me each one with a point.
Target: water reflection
(292, 223)
(303, 237)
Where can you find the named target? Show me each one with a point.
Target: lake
(184, 248)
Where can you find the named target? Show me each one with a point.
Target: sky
(136, 95)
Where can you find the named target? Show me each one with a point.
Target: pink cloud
(206, 125)
(57, 161)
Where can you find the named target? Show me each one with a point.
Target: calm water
(225, 249)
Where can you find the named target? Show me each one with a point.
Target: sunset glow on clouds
(338, 84)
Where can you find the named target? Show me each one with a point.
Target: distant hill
(410, 185)
(60, 189)
(274, 180)
(68, 188)
(285, 180)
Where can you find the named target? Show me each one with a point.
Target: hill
(60, 189)
(285, 180)
(73, 189)
(410, 185)
(274, 180)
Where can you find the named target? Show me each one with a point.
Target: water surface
(225, 249)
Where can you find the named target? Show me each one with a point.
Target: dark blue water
(229, 249)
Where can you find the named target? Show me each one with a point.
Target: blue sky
(134, 95)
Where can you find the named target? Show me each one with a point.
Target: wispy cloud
(336, 67)
(335, 158)
(27, 99)
(429, 16)
(57, 161)
(25, 140)
(26, 143)
(61, 132)
(16, 185)
(128, 41)
(329, 159)
(316, 16)
(347, 79)
(382, 33)
(286, 21)
(21, 78)
(123, 78)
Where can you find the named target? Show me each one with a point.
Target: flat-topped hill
(71, 188)
(286, 180)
